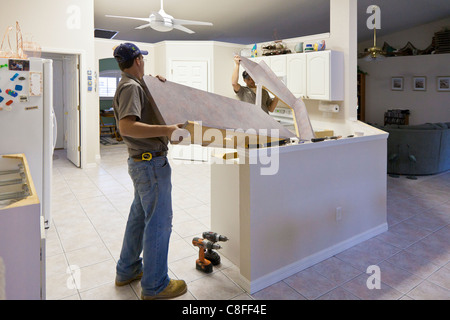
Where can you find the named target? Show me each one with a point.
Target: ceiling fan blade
(191, 22)
(158, 15)
(363, 54)
(143, 26)
(180, 27)
(134, 18)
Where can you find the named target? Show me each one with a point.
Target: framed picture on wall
(397, 84)
(443, 84)
(420, 83)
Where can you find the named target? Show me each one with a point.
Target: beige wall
(223, 65)
(428, 106)
(104, 49)
(160, 59)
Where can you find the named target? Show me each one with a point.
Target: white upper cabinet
(278, 65)
(296, 74)
(259, 59)
(314, 75)
(325, 76)
(318, 75)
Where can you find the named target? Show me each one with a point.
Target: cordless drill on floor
(214, 237)
(202, 263)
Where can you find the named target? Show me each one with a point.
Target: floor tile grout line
(386, 260)
(295, 289)
(66, 261)
(238, 285)
(422, 279)
(413, 243)
(439, 269)
(341, 287)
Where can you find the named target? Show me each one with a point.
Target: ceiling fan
(161, 21)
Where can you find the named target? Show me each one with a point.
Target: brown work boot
(174, 289)
(125, 282)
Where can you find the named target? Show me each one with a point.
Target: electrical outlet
(338, 213)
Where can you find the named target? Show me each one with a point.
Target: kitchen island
(287, 208)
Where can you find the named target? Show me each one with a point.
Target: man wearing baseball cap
(248, 93)
(149, 222)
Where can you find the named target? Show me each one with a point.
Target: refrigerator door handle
(55, 130)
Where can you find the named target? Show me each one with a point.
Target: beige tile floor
(90, 208)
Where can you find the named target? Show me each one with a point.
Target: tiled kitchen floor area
(90, 208)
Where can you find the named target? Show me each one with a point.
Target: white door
(72, 112)
(318, 77)
(58, 101)
(192, 74)
(296, 74)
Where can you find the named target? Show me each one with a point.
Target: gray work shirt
(248, 95)
(132, 99)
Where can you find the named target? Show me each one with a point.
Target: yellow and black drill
(202, 263)
(211, 255)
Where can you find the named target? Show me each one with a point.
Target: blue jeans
(149, 226)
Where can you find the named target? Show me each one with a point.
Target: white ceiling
(254, 21)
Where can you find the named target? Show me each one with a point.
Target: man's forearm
(235, 78)
(273, 105)
(135, 129)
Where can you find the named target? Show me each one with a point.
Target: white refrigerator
(27, 121)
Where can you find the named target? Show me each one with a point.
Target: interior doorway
(66, 103)
(191, 73)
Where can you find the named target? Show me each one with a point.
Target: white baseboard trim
(256, 285)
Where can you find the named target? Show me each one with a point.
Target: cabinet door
(318, 75)
(259, 59)
(278, 65)
(296, 74)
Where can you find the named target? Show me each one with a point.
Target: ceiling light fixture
(374, 53)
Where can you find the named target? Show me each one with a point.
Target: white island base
(324, 198)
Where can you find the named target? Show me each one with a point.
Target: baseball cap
(127, 51)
